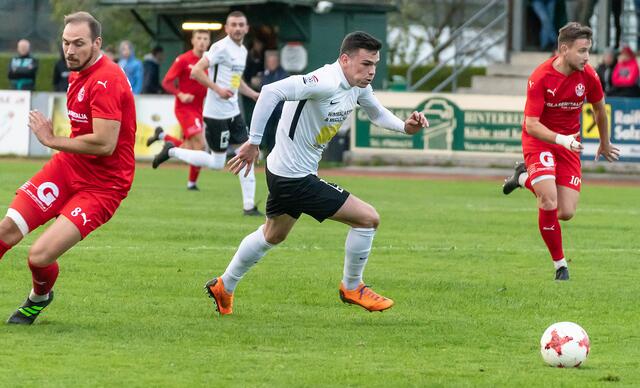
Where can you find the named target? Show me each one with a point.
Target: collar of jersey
(91, 68)
(343, 80)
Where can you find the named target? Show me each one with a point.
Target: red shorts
(190, 121)
(552, 161)
(54, 191)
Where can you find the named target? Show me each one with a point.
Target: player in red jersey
(83, 184)
(189, 101)
(556, 91)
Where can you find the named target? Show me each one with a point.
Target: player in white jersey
(224, 125)
(316, 106)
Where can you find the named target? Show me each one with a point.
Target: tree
(420, 21)
(117, 23)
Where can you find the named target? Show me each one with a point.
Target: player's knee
(547, 202)
(10, 232)
(39, 255)
(566, 214)
(369, 219)
(274, 237)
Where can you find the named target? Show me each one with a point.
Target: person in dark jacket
(23, 68)
(61, 74)
(272, 72)
(605, 69)
(151, 70)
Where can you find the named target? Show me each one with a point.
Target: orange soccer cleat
(365, 297)
(224, 300)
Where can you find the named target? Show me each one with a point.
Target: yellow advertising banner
(589, 126)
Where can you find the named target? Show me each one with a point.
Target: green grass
(469, 273)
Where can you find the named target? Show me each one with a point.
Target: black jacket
(22, 72)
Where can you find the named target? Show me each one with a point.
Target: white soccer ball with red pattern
(565, 345)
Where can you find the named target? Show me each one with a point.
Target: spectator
(23, 68)
(131, 65)
(255, 64)
(110, 53)
(545, 10)
(61, 74)
(273, 72)
(625, 75)
(151, 67)
(585, 10)
(605, 69)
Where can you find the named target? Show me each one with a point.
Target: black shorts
(309, 195)
(221, 133)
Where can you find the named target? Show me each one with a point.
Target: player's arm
(171, 82)
(289, 89)
(605, 149)
(382, 117)
(246, 90)
(540, 131)
(102, 142)
(199, 73)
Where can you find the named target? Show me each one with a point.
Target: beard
(82, 65)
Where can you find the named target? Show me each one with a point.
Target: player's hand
(569, 142)
(415, 122)
(609, 152)
(246, 155)
(224, 93)
(185, 98)
(41, 127)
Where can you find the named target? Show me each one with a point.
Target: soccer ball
(564, 345)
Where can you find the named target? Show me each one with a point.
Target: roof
(189, 4)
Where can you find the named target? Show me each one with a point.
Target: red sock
(43, 278)
(177, 142)
(4, 247)
(193, 173)
(551, 233)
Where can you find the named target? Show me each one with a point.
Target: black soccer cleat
(512, 183)
(155, 137)
(562, 273)
(254, 212)
(193, 188)
(163, 155)
(29, 311)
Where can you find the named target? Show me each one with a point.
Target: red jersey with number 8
(102, 91)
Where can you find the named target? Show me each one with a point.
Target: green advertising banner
(450, 129)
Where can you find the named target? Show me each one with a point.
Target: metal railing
(462, 59)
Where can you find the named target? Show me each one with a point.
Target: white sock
(560, 263)
(248, 185)
(357, 248)
(522, 179)
(249, 252)
(161, 135)
(37, 298)
(198, 158)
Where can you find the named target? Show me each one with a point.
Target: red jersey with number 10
(102, 91)
(557, 99)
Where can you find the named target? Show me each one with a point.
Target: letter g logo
(546, 158)
(48, 192)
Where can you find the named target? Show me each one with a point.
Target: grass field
(470, 275)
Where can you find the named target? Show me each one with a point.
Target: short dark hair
(573, 31)
(236, 14)
(85, 17)
(157, 49)
(194, 32)
(359, 40)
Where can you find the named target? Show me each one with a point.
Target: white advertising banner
(14, 117)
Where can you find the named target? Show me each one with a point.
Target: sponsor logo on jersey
(310, 80)
(580, 90)
(103, 83)
(81, 94)
(531, 84)
(81, 117)
(553, 92)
